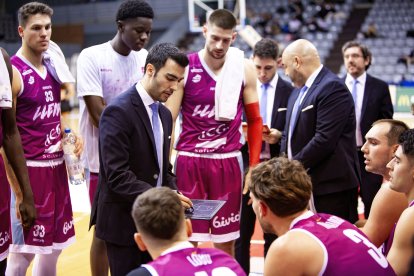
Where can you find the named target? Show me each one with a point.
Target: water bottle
(73, 163)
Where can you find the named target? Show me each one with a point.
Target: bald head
(300, 59)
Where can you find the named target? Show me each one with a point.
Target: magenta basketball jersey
(195, 261)
(200, 132)
(348, 250)
(38, 112)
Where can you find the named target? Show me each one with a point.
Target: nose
(43, 32)
(364, 148)
(144, 36)
(219, 45)
(262, 73)
(174, 85)
(390, 164)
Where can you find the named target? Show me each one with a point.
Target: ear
(140, 242)
(394, 148)
(120, 26)
(150, 70)
(297, 60)
(188, 227)
(20, 31)
(263, 209)
(233, 37)
(205, 30)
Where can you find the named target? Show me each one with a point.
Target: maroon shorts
(5, 230)
(218, 177)
(53, 228)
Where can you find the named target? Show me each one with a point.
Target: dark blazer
(376, 103)
(128, 165)
(283, 90)
(324, 136)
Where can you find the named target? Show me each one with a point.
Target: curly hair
(406, 141)
(30, 9)
(133, 9)
(282, 184)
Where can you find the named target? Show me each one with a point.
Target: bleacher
(392, 19)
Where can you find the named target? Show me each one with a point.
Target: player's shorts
(53, 227)
(5, 230)
(216, 176)
(92, 184)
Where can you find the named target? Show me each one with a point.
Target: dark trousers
(3, 265)
(247, 223)
(123, 259)
(370, 184)
(343, 204)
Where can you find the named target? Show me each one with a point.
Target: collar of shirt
(306, 214)
(312, 77)
(146, 98)
(271, 89)
(349, 80)
(178, 246)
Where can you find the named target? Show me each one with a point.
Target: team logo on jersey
(197, 78)
(27, 72)
(196, 70)
(31, 80)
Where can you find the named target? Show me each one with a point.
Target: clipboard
(204, 209)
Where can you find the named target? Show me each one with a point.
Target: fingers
(27, 215)
(185, 201)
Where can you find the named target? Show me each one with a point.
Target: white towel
(55, 62)
(5, 87)
(228, 85)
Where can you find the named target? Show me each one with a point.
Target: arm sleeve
(254, 132)
(88, 75)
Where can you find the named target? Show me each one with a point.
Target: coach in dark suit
(372, 102)
(320, 130)
(133, 135)
(273, 94)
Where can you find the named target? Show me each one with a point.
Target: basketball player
(104, 71)
(220, 82)
(163, 231)
(308, 243)
(387, 206)
(402, 180)
(37, 97)
(10, 146)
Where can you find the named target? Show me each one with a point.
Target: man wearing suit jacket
(372, 102)
(273, 97)
(320, 131)
(134, 143)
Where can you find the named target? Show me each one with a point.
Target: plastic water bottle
(73, 164)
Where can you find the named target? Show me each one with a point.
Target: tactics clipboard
(204, 209)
